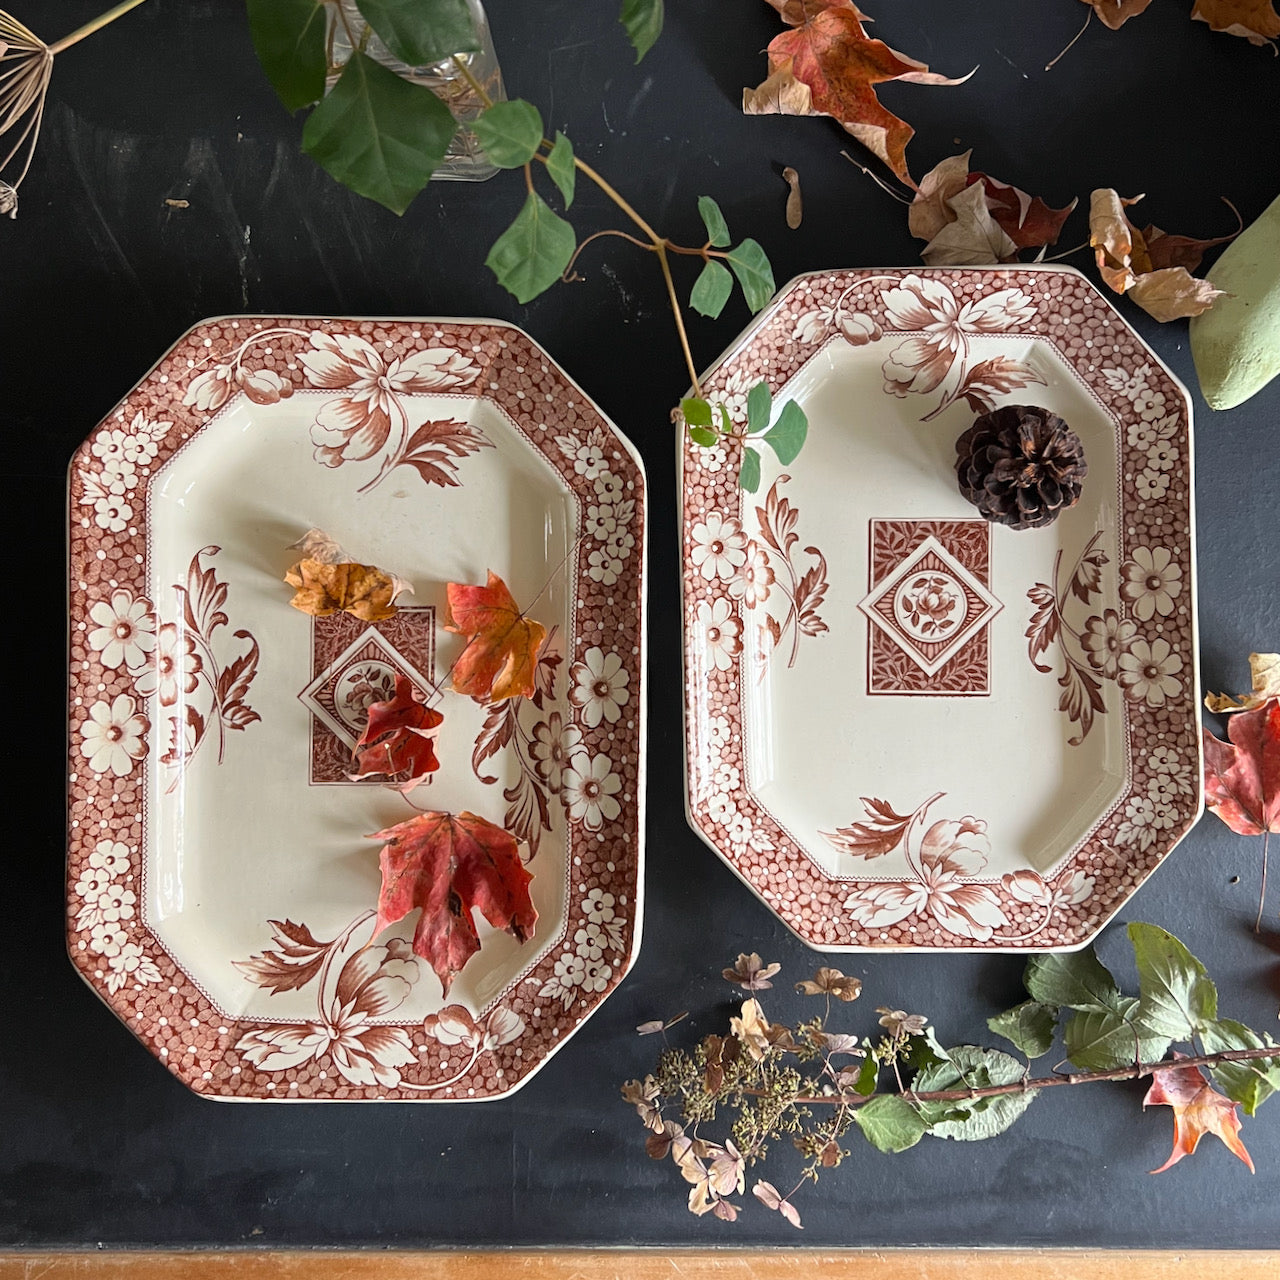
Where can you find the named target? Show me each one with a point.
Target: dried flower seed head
(901, 1023)
(751, 973)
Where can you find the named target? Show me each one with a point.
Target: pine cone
(1021, 465)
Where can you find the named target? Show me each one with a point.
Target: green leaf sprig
(785, 435)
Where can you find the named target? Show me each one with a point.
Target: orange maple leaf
(1198, 1108)
(399, 739)
(502, 644)
(829, 51)
(448, 865)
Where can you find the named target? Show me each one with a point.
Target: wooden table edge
(643, 1264)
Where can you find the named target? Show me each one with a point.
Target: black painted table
(100, 275)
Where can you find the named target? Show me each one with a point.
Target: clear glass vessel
(464, 161)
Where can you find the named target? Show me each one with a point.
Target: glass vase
(464, 161)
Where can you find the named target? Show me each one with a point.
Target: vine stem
(118, 11)
(1138, 1070)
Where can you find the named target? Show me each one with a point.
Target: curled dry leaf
(1125, 263)
(1242, 777)
(1264, 669)
(750, 972)
(399, 739)
(828, 51)
(1254, 20)
(1115, 13)
(449, 865)
(360, 589)
(831, 982)
(316, 544)
(972, 238)
(500, 659)
(1198, 1108)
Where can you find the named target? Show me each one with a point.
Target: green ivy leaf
(713, 220)
(1250, 1083)
(421, 32)
(890, 1123)
(1177, 995)
(1028, 1026)
(711, 290)
(759, 406)
(288, 37)
(975, 1119)
(696, 412)
(643, 21)
(532, 253)
(509, 132)
(561, 167)
(1100, 1039)
(868, 1077)
(749, 472)
(754, 273)
(378, 134)
(787, 435)
(1078, 980)
(703, 436)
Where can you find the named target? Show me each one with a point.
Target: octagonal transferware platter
(221, 884)
(906, 727)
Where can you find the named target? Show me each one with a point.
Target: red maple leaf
(1242, 777)
(449, 864)
(502, 644)
(1198, 1108)
(399, 739)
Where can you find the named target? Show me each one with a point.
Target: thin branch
(96, 25)
(568, 273)
(1049, 66)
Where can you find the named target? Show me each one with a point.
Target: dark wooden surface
(98, 276)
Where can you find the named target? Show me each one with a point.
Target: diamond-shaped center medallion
(931, 606)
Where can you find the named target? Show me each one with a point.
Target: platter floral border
(113, 725)
(1162, 795)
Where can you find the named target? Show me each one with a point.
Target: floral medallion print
(160, 670)
(370, 417)
(1112, 624)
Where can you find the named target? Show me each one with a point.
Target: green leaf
(749, 472)
(711, 290)
(509, 132)
(754, 273)
(532, 253)
(1251, 1083)
(924, 1051)
(759, 406)
(726, 427)
(643, 21)
(421, 32)
(1028, 1026)
(696, 412)
(378, 134)
(787, 435)
(868, 1077)
(703, 436)
(1100, 1039)
(972, 1120)
(561, 167)
(889, 1123)
(1078, 980)
(713, 220)
(288, 37)
(1177, 995)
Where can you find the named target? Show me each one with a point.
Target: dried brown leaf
(1254, 20)
(973, 238)
(780, 94)
(1264, 670)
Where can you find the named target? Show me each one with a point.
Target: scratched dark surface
(98, 1143)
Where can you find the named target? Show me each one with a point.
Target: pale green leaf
(562, 169)
(509, 132)
(1250, 1083)
(754, 273)
(1077, 979)
(889, 1123)
(749, 472)
(288, 37)
(378, 134)
(703, 436)
(787, 435)
(1177, 995)
(972, 1120)
(1029, 1026)
(643, 21)
(711, 290)
(759, 406)
(696, 412)
(726, 426)
(1100, 1039)
(868, 1076)
(713, 220)
(421, 32)
(532, 253)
